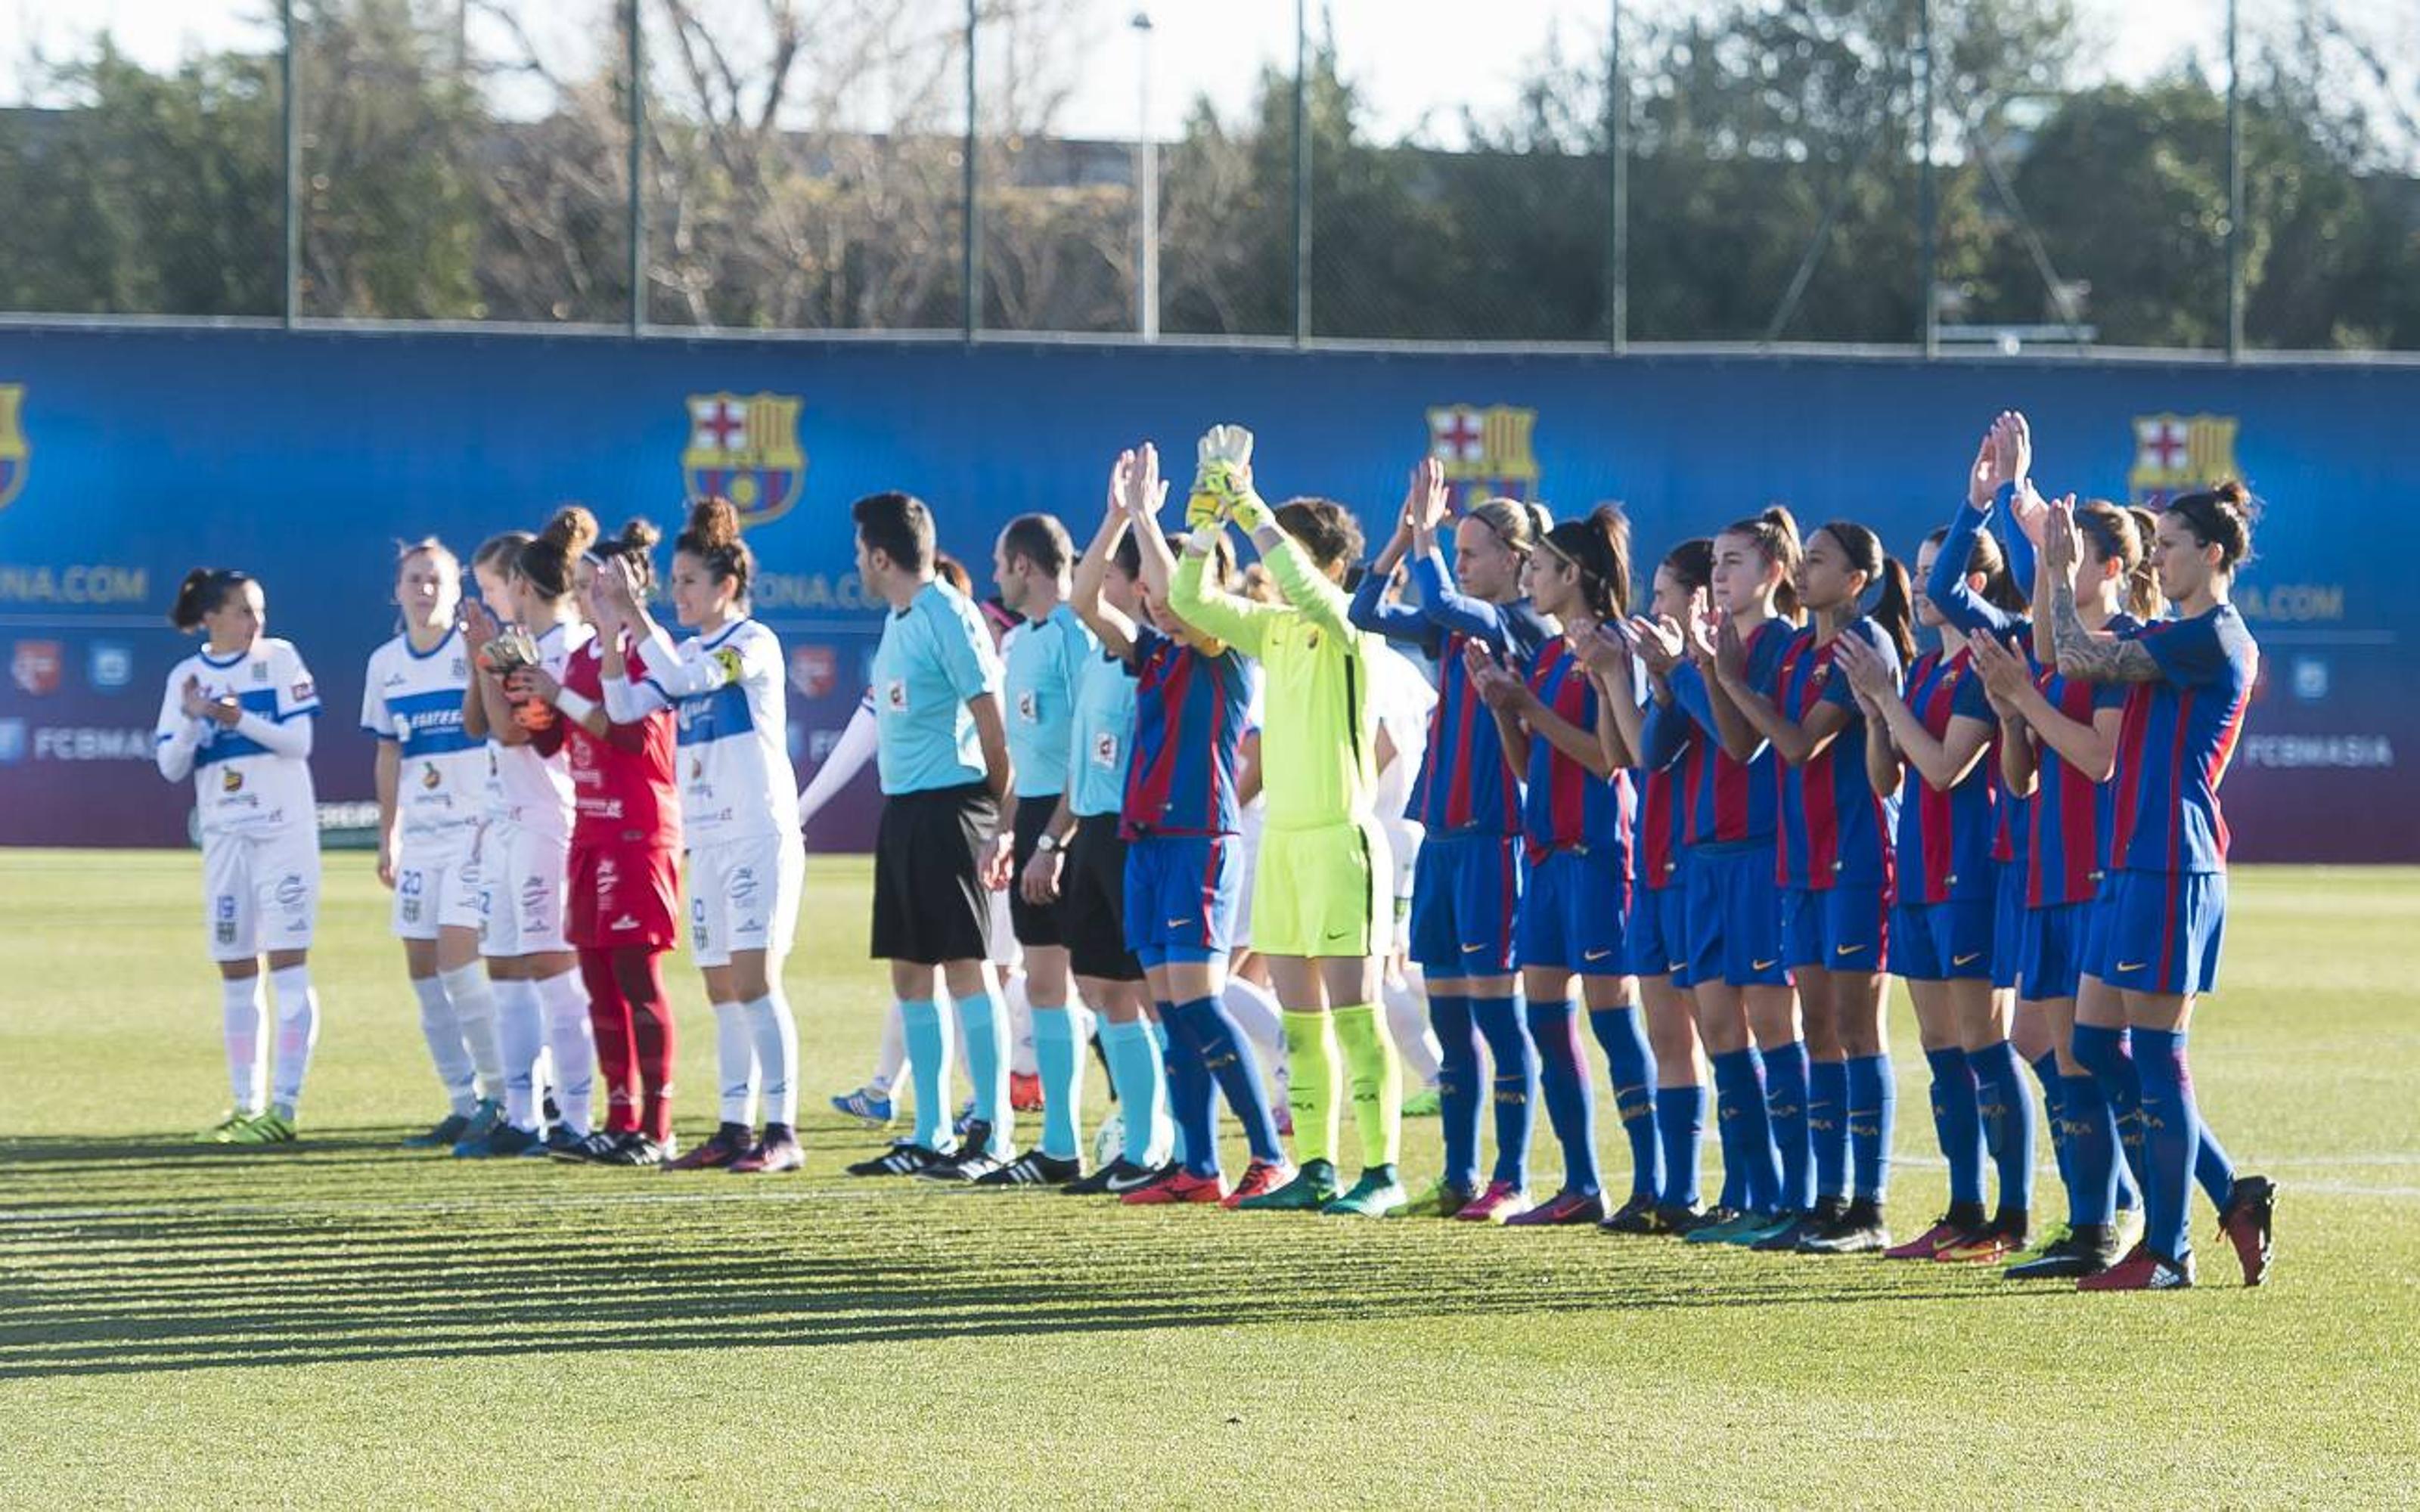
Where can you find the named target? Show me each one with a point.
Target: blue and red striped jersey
(1668, 768)
(1567, 806)
(2068, 819)
(1834, 828)
(1733, 801)
(1944, 838)
(2179, 736)
(1190, 710)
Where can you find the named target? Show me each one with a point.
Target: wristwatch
(1047, 843)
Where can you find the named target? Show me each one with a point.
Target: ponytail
(1775, 534)
(712, 537)
(2123, 535)
(203, 592)
(545, 561)
(1894, 606)
(1986, 561)
(1599, 547)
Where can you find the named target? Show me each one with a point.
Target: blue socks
(2173, 1142)
(1827, 1126)
(2054, 1099)
(1457, 1085)
(1873, 1101)
(1063, 1082)
(1228, 1061)
(1515, 1086)
(1785, 1099)
(1571, 1103)
(2092, 1151)
(1187, 1085)
(928, 1064)
(1143, 1086)
(1957, 1123)
(1746, 1131)
(2004, 1103)
(1623, 1039)
(986, 1019)
(1681, 1123)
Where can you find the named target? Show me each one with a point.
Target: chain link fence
(1950, 174)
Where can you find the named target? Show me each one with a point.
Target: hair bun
(573, 529)
(714, 523)
(1780, 517)
(637, 536)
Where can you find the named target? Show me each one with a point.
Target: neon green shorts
(1322, 893)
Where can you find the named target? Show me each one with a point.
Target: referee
(943, 753)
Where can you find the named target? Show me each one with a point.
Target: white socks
(1407, 1024)
(775, 1034)
(521, 1033)
(442, 1030)
(572, 1042)
(1021, 1058)
(297, 1031)
(892, 1062)
(247, 1053)
(474, 1013)
(734, 1054)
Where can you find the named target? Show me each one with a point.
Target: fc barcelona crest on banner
(2179, 454)
(13, 451)
(745, 448)
(1485, 451)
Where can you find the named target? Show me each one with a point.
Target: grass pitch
(349, 1323)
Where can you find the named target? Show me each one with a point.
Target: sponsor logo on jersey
(745, 448)
(230, 779)
(814, 670)
(110, 665)
(727, 658)
(15, 455)
(1485, 450)
(303, 691)
(430, 778)
(2178, 454)
(34, 666)
(1028, 706)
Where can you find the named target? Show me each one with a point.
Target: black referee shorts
(1034, 926)
(929, 901)
(1092, 901)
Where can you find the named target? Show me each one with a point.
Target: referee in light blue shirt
(942, 752)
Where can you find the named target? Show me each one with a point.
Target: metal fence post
(2234, 191)
(1616, 151)
(635, 50)
(1927, 210)
(970, 223)
(1301, 172)
(289, 128)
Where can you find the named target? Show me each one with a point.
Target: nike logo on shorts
(1178, 924)
(1846, 950)
(2131, 966)
(1472, 950)
(1967, 960)
(1594, 955)
(1764, 965)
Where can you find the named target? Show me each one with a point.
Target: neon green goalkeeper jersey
(1319, 762)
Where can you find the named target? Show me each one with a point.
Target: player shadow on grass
(245, 1263)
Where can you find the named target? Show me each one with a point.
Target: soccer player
(2188, 679)
(2059, 740)
(738, 797)
(1319, 892)
(1469, 873)
(1835, 870)
(431, 780)
(1930, 744)
(236, 716)
(1576, 816)
(942, 751)
(1031, 561)
(524, 851)
(1669, 750)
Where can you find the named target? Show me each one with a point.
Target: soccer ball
(1108, 1140)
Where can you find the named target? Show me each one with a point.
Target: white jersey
(729, 696)
(535, 791)
(414, 698)
(253, 777)
(1402, 696)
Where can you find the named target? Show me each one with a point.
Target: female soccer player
(541, 1009)
(2062, 749)
(237, 718)
(2190, 678)
(1668, 751)
(1930, 745)
(1836, 872)
(432, 797)
(1319, 895)
(738, 805)
(1576, 813)
(1182, 813)
(1471, 867)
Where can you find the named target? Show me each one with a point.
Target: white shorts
(437, 885)
(260, 892)
(744, 895)
(1247, 829)
(1403, 837)
(523, 877)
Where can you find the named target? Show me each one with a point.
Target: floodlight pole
(2233, 190)
(635, 49)
(1301, 172)
(289, 129)
(1146, 189)
(970, 248)
(1928, 212)
(1616, 151)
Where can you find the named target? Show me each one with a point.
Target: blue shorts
(1181, 893)
(2163, 932)
(2008, 925)
(2096, 923)
(1838, 929)
(1943, 942)
(1735, 918)
(2050, 952)
(1576, 912)
(1656, 941)
(1466, 894)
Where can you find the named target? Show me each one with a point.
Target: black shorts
(1092, 901)
(929, 901)
(1032, 926)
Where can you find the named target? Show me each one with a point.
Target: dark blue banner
(127, 457)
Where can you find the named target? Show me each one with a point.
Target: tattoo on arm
(2094, 658)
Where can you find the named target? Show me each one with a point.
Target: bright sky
(1414, 59)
